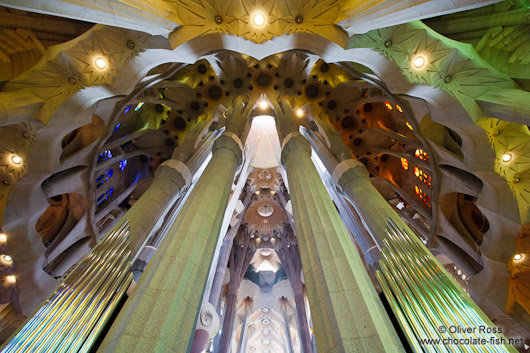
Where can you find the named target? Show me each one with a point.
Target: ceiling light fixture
(16, 159)
(3, 238)
(507, 157)
(300, 113)
(100, 63)
(11, 279)
(263, 104)
(419, 62)
(7, 258)
(517, 257)
(266, 252)
(258, 19)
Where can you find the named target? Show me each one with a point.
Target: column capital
(294, 141)
(230, 141)
(348, 169)
(180, 167)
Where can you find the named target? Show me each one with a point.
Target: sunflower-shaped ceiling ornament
(184, 101)
(263, 78)
(176, 126)
(341, 100)
(234, 74)
(313, 92)
(194, 75)
(329, 74)
(292, 70)
(259, 20)
(153, 115)
(213, 94)
(349, 123)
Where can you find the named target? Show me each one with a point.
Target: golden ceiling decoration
(508, 138)
(236, 17)
(329, 74)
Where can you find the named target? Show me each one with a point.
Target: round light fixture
(11, 279)
(7, 258)
(100, 63)
(300, 113)
(263, 104)
(517, 257)
(16, 159)
(418, 62)
(266, 321)
(265, 252)
(266, 331)
(265, 210)
(265, 309)
(507, 157)
(459, 272)
(3, 238)
(258, 19)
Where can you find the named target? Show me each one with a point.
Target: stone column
(347, 314)
(171, 178)
(224, 256)
(199, 341)
(160, 316)
(353, 179)
(239, 261)
(293, 268)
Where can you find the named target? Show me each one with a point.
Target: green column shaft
(160, 315)
(374, 210)
(144, 214)
(347, 314)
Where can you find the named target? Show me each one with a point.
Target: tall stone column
(224, 255)
(353, 179)
(293, 268)
(171, 178)
(347, 314)
(239, 261)
(161, 313)
(200, 340)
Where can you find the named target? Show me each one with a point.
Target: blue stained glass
(127, 109)
(118, 126)
(123, 164)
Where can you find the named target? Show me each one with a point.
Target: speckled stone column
(347, 314)
(353, 178)
(171, 178)
(161, 313)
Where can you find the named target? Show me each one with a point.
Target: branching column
(224, 255)
(160, 315)
(347, 314)
(293, 268)
(239, 260)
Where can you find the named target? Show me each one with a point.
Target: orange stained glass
(405, 163)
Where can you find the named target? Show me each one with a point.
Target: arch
(460, 209)
(81, 137)
(60, 217)
(442, 136)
